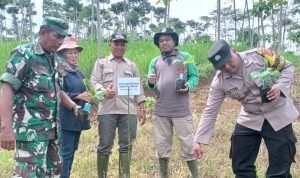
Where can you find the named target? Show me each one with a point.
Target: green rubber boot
(124, 165)
(102, 164)
(163, 167)
(193, 167)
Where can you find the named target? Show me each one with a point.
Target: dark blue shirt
(73, 85)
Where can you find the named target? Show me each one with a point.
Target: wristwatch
(75, 107)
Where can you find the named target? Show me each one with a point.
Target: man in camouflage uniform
(29, 100)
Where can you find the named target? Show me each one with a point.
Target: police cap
(219, 54)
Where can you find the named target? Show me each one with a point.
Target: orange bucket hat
(70, 43)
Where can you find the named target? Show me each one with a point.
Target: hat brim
(158, 35)
(223, 61)
(119, 40)
(70, 46)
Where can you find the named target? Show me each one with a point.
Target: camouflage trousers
(37, 159)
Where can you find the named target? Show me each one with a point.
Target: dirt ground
(199, 97)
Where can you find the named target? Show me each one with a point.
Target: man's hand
(76, 110)
(85, 96)
(7, 139)
(273, 93)
(184, 90)
(110, 92)
(142, 116)
(152, 78)
(197, 150)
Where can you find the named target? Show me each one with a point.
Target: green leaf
(265, 75)
(100, 95)
(149, 102)
(275, 74)
(254, 75)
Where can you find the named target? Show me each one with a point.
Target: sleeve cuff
(12, 80)
(140, 99)
(202, 140)
(283, 90)
(99, 87)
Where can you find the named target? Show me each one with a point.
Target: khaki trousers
(163, 128)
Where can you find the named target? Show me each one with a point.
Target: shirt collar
(175, 52)
(111, 57)
(37, 48)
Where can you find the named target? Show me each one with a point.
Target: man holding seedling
(173, 75)
(29, 98)
(269, 119)
(116, 111)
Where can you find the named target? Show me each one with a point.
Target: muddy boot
(102, 164)
(163, 167)
(193, 167)
(124, 165)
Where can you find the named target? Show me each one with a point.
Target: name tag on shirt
(129, 85)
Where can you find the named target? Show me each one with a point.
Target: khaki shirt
(279, 113)
(107, 71)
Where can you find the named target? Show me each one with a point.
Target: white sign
(129, 84)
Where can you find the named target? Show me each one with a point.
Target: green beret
(58, 25)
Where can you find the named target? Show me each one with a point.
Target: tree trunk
(280, 31)
(30, 21)
(99, 30)
(252, 34)
(92, 35)
(263, 30)
(22, 29)
(235, 25)
(1, 26)
(219, 19)
(284, 30)
(273, 28)
(76, 23)
(258, 30)
(249, 25)
(126, 15)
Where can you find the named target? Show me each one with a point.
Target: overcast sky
(182, 9)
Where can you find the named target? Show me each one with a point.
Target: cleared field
(214, 164)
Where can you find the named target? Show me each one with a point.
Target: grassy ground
(214, 164)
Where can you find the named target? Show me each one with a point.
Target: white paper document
(132, 85)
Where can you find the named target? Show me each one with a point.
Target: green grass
(141, 52)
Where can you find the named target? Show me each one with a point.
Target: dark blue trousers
(245, 144)
(70, 141)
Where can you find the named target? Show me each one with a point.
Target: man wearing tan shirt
(113, 111)
(257, 120)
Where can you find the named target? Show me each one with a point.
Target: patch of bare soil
(199, 97)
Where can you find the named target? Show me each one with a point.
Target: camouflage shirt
(32, 74)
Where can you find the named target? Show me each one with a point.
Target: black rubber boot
(124, 165)
(102, 165)
(163, 167)
(193, 167)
